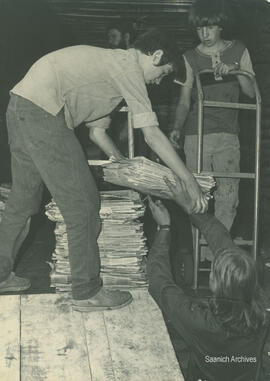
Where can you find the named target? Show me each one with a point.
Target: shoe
(14, 283)
(103, 300)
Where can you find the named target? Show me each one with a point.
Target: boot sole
(100, 308)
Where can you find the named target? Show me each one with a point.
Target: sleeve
(189, 76)
(214, 232)
(99, 123)
(177, 307)
(132, 87)
(158, 265)
(245, 62)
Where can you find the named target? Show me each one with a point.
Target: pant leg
(226, 159)
(190, 148)
(61, 163)
(24, 199)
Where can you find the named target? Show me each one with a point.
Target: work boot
(14, 283)
(103, 300)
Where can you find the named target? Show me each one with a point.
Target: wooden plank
(98, 347)
(53, 343)
(10, 338)
(140, 348)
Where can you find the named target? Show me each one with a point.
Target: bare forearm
(160, 144)
(180, 116)
(163, 148)
(105, 143)
(246, 86)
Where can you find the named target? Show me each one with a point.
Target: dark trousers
(44, 150)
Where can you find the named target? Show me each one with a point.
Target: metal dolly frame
(241, 175)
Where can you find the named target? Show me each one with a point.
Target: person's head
(159, 56)
(234, 283)
(120, 35)
(114, 37)
(208, 17)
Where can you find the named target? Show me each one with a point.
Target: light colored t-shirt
(89, 82)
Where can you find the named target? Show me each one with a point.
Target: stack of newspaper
(122, 243)
(4, 193)
(147, 176)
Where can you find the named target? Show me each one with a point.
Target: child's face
(209, 35)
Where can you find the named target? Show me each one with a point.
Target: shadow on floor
(34, 255)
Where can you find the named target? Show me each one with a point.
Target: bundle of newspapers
(4, 193)
(122, 243)
(147, 177)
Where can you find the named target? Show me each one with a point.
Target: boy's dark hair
(155, 39)
(208, 12)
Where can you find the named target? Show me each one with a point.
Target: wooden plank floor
(42, 338)
(10, 338)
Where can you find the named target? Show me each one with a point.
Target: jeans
(44, 150)
(221, 153)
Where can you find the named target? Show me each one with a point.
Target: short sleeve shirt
(89, 82)
(223, 89)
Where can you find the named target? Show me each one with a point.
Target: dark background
(31, 28)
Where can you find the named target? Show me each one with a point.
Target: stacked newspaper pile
(121, 242)
(4, 193)
(147, 176)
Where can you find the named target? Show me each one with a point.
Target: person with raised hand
(224, 334)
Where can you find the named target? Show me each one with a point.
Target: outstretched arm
(216, 235)
(177, 307)
(214, 232)
(97, 133)
(183, 106)
(131, 85)
(158, 263)
(180, 116)
(161, 145)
